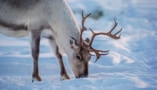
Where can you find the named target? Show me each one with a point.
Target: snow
(130, 65)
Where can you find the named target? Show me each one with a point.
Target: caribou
(54, 20)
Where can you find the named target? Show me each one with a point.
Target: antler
(114, 36)
(83, 27)
(98, 53)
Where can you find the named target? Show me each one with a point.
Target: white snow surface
(130, 65)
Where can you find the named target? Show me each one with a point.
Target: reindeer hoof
(64, 77)
(36, 78)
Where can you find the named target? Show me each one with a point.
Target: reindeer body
(52, 19)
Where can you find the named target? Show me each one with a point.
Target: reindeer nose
(82, 76)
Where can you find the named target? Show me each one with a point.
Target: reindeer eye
(78, 57)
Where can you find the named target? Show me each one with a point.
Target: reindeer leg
(63, 72)
(35, 43)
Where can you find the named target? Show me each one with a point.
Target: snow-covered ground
(131, 64)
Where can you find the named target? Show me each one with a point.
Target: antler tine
(98, 53)
(114, 36)
(83, 27)
(115, 25)
(83, 20)
(118, 32)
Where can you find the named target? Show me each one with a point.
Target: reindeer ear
(87, 41)
(73, 43)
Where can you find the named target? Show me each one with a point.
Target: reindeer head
(83, 48)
